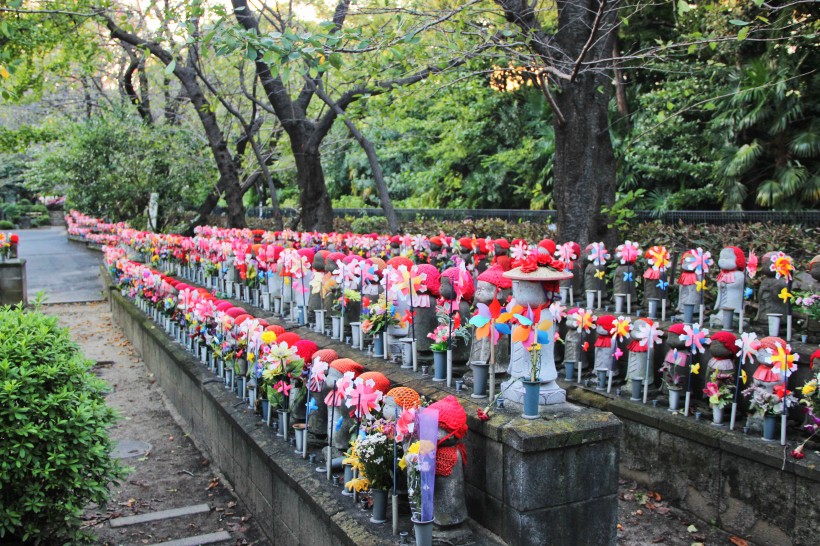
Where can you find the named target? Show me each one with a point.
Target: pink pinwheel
(336, 396)
(699, 260)
(520, 251)
(557, 311)
(747, 347)
(317, 375)
(628, 252)
(566, 253)
(462, 278)
(751, 264)
(647, 333)
(598, 253)
(406, 424)
(695, 337)
(420, 242)
(363, 398)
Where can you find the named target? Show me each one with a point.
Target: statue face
(318, 263)
(391, 408)
(446, 289)
(330, 265)
(485, 292)
(331, 377)
(727, 259)
(499, 251)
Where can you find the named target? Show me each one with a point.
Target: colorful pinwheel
(751, 264)
(484, 321)
(565, 253)
(647, 333)
(695, 337)
(364, 398)
(628, 252)
(529, 328)
(782, 265)
(317, 376)
(658, 258)
(620, 328)
(784, 361)
(699, 260)
(520, 251)
(598, 254)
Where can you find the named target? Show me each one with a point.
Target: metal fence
(810, 218)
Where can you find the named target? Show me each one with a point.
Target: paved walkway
(67, 272)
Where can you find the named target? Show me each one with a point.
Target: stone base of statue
(549, 393)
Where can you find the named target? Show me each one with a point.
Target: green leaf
(683, 7)
(170, 67)
(743, 33)
(739, 22)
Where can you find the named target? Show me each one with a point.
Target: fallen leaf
(214, 483)
(692, 529)
(231, 504)
(650, 505)
(663, 510)
(737, 541)
(639, 512)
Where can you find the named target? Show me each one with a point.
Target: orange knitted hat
(326, 355)
(405, 397)
(345, 365)
(381, 381)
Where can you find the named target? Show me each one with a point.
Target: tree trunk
(314, 201)
(584, 161)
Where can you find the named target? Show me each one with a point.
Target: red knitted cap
(276, 329)
(548, 245)
(307, 253)
(381, 381)
(468, 289)
(814, 356)
(433, 280)
(235, 311)
(677, 329)
(726, 338)
(326, 355)
(771, 343)
(345, 365)
(305, 349)
(495, 276)
(606, 322)
(288, 337)
(436, 240)
(336, 256)
(397, 261)
(451, 416)
(466, 243)
(503, 243)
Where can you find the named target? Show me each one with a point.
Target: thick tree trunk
(584, 160)
(314, 201)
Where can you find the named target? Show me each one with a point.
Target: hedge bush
(54, 447)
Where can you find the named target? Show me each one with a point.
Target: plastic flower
(696, 368)
(482, 415)
(406, 424)
(785, 295)
(618, 353)
(628, 252)
(283, 387)
(662, 284)
(658, 258)
(599, 274)
(700, 285)
(747, 347)
(621, 327)
(809, 388)
(598, 254)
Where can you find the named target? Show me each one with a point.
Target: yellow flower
(599, 274)
(358, 484)
(251, 357)
(696, 368)
(700, 285)
(809, 388)
(155, 258)
(785, 295)
(268, 337)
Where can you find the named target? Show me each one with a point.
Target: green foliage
(109, 165)
(369, 224)
(54, 449)
(6, 224)
(622, 213)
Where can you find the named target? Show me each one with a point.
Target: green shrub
(6, 224)
(369, 224)
(54, 448)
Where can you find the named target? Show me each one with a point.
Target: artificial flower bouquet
(372, 455)
(281, 364)
(720, 395)
(379, 316)
(763, 402)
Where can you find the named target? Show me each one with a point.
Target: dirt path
(174, 473)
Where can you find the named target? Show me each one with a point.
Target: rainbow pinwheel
(586, 321)
(784, 361)
(695, 337)
(782, 265)
(598, 254)
(484, 321)
(628, 252)
(411, 283)
(529, 327)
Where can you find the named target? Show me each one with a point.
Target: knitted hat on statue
(468, 288)
(452, 419)
(405, 397)
(382, 384)
(433, 280)
(466, 243)
(495, 276)
(344, 365)
(305, 349)
(326, 355)
(397, 261)
(288, 337)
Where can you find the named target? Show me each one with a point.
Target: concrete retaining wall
(526, 481)
(738, 482)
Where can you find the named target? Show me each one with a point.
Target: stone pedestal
(13, 289)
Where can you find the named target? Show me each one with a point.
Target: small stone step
(162, 514)
(210, 538)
